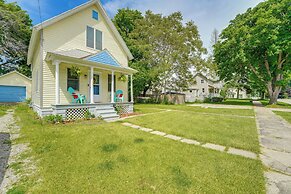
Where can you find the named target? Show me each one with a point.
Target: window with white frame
(202, 81)
(94, 38)
(203, 90)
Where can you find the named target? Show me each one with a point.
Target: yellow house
(80, 63)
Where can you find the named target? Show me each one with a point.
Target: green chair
(118, 96)
(77, 98)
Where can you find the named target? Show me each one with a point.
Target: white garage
(14, 87)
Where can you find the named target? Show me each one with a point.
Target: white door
(96, 87)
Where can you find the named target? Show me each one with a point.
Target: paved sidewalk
(221, 148)
(288, 101)
(275, 140)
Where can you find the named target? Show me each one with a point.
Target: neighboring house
(83, 38)
(232, 93)
(204, 87)
(14, 87)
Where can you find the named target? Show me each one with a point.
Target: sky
(207, 14)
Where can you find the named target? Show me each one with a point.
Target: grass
(89, 156)
(3, 109)
(278, 105)
(220, 129)
(285, 115)
(232, 101)
(151, 108)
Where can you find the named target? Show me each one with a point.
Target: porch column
(131, 88)
(91, 85)
(57, 84)
(112, 87)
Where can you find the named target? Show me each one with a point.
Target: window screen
(90, 37)
(98, 41)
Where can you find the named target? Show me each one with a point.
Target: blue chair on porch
(76, 98)
(118, 96)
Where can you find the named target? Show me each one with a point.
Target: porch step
(107, 112)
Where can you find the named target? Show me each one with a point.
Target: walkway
(275, 140)
(288, 101)
(212, 146)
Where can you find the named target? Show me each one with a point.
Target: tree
(15, 31)
(257, 44)
(165, 50)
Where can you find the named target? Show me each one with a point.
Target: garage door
(12, 93)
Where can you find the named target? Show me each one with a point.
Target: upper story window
(95, 15)
(94, 38)
(202, 81)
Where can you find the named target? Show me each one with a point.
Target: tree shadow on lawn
(5, 149)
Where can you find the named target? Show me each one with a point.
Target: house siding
(70, 33)
(36, 63)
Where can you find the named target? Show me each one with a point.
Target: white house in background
(79, 56)
(232, 93)
(204, 87)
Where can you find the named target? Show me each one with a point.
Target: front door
(96, 87)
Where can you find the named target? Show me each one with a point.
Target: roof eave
(53, 56)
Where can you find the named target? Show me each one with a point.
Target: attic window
(95, 15)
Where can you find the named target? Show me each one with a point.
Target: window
(202, 81)
(90, 37)
(203, 90)
(93, 38)
(98, 40)
(109, 82)
(72, 81)
(95, 15)
(191, 91)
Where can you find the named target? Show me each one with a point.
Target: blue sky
(207, 14)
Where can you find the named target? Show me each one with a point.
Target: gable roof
(38, 27)
(104, 57)
(16, 72)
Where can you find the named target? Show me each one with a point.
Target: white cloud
(207, 14)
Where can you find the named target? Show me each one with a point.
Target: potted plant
(122, 78)
(75, 71)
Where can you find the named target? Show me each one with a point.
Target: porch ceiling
(81, 58)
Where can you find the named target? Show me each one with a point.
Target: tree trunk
(273, 92)
(237, 93)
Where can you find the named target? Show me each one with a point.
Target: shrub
(207, 100)
(28, 101)
(216, 99)
(54, 119)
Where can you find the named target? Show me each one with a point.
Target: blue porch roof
(104, 57)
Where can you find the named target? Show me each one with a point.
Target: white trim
(57, 79)
(91, 85)
(16, 73)
(68, 13)
(131, 88)
(112, 87)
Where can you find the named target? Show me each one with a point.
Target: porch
(99, 79)
(105, 111)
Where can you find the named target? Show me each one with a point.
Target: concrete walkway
(288, 101)
(275, 140)
(221, 148)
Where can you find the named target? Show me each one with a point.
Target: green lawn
(232, 101)
(3, 109)
(278, 105)
(148, 108)
(100, 157)
(221, 128)
(285, 115)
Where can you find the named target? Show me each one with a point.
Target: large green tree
(15, 31)
(257, 44)
(164, 48)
